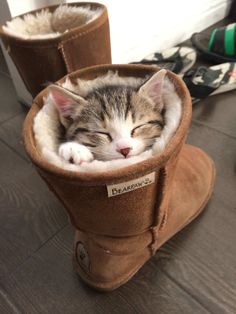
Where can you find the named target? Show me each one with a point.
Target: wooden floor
(195, 272)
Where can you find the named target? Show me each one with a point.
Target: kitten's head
(115, 121)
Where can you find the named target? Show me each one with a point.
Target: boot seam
(73, 37)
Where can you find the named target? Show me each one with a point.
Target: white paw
(75, 153)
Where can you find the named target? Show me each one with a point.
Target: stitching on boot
(85, 32)
(162, 185)
(33, 47)
(159, 221)
(155, 231)
(63, 42)
(61, 48)
(164, 220)
(115, 253)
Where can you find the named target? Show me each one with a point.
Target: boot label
(129, 186)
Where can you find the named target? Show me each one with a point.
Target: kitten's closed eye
(157, 123)
(108, 135)
(84, 130)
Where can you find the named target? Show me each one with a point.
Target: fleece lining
(45, 24)
(46, 124)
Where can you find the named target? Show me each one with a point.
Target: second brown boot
(63, 41)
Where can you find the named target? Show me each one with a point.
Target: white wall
(141, 27)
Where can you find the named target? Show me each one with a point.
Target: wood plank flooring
(195, 272)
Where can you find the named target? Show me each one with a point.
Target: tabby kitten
(111, 122)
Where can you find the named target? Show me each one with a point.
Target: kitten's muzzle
(124, 151)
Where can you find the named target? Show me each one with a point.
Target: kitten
(111, 122)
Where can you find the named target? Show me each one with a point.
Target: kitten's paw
(75, 153)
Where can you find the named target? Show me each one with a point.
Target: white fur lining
(46, 124)
(45, 24)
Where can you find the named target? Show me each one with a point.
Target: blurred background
(137, 28)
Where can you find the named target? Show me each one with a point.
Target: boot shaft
(123, 202)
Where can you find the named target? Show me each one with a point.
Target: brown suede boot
(40, 61)
(118, 232)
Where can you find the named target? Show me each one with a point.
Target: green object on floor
(219, 47)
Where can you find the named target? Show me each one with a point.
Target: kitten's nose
(124, 151)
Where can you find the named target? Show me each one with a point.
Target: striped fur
(110, 120)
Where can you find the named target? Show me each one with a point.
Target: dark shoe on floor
(218, 47)
(176, 59)
(206, 81)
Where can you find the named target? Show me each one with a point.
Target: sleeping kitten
(111, 122)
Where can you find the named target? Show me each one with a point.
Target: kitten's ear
(67, 103)
(153, 87)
